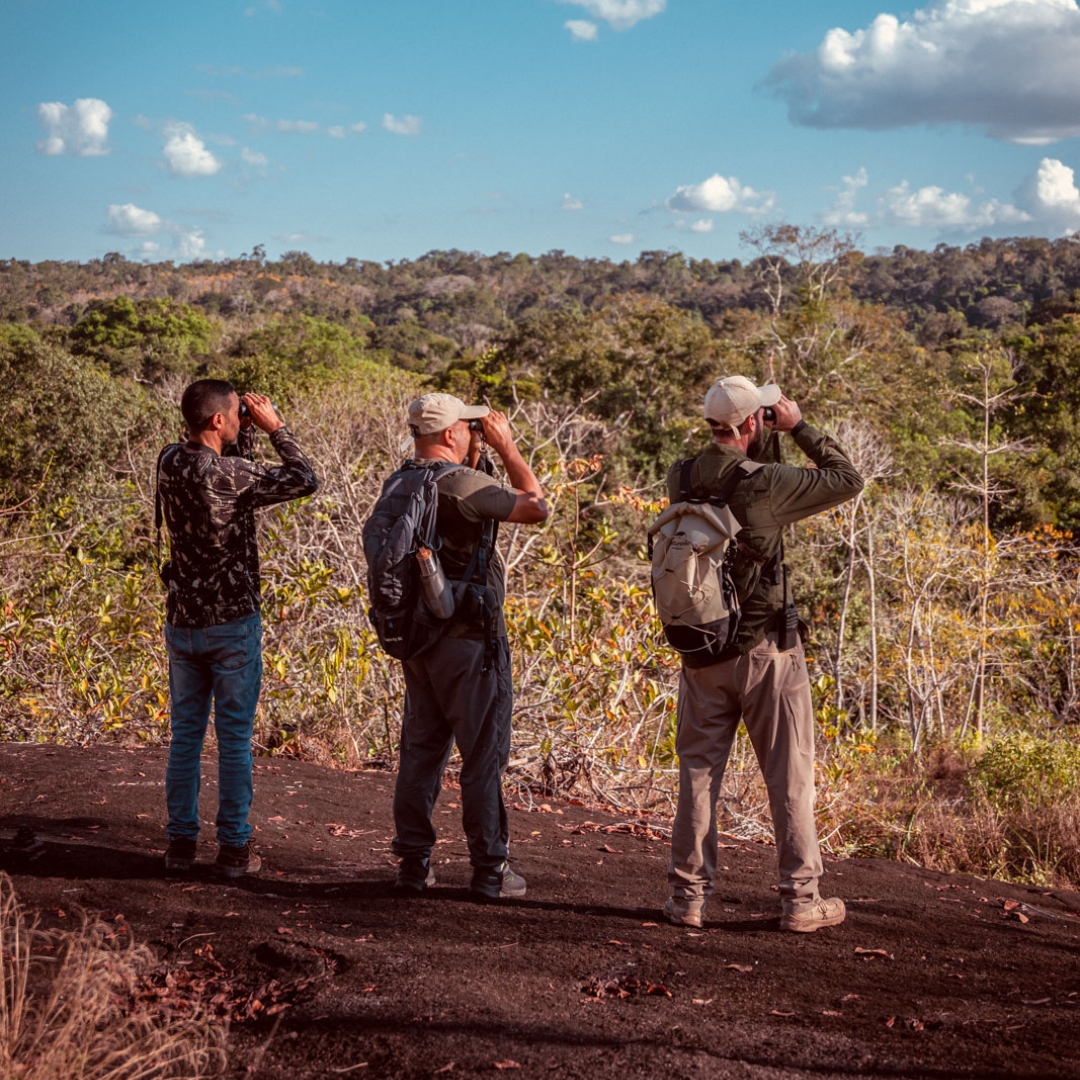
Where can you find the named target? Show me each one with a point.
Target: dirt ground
(321, 971)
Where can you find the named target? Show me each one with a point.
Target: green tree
(143, 339)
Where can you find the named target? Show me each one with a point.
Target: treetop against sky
(599, 127)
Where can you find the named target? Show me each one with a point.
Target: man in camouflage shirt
(213, 629)
(761, 678)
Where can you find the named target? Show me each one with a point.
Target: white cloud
(340, 131)
(718, 195)
(582, 29)
(702, 225)
(1050, 195)
(842, 213)
(134, 221)
(130, 220)
(571, 204)
(620, 14)
(622, 238)
(81, 128)
(190, 243)
(297, 127)
(934, 207)
(1009, 66)
(186, 153)
(253, 157)
(402, 125)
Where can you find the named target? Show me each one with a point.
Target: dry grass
(69, 1011)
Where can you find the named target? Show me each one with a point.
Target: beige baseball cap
(730, 401)
(437, 412)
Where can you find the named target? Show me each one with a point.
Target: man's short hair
(203, 399)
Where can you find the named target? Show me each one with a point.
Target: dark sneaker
(496, 883)
(25, 844)
(233, 862)
(681, 912)
(811, 917)
(179, 855)
(414, 875)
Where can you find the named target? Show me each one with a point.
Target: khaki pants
(769, 691)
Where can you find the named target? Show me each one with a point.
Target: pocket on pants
(232, 646)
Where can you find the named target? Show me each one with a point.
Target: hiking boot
(179, 855)
(414, 875)
(680, 912)
(496, 883)
(810, 917)
(234, 862)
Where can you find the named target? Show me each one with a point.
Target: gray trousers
(769, 691)
(448, 700)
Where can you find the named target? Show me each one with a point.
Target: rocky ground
(320, 971)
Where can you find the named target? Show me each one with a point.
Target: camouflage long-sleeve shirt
(763, 503)
(208, 502)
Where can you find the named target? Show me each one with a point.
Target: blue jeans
(220, 664)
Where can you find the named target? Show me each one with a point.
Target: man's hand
(262, 412)
(498, 434)
(788, 414)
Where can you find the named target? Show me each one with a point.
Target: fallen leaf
(231, 914)
(777, 1012)
(610, 850)
(831, 1012)
(368, 989)
(276, 817)
(1037, 1001)
(614, 941)
(889, 1023)
(140, 816)
(650, 924)
(702, 1001)
(859, 951)
(658, 990)
(283, 930)
(1010, 905)
(744, 968)
(850, 997)
(448, 1067)
(509, 1063)
(916, 1024)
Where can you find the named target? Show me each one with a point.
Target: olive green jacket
(763, 503)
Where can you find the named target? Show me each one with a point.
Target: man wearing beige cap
(760, 677)
(458, 689)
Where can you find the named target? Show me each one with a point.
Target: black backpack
(403, 520)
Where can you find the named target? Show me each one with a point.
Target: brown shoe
(680, 912)
(811, 917)
(234, 862)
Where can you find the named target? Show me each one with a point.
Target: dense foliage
(945, 601)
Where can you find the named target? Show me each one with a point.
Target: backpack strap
(476, 573)
(734, 478)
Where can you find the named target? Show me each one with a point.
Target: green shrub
(1024, 771)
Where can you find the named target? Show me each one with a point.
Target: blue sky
(382, 129)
